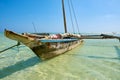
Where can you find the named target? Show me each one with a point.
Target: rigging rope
(34, 27)
(71, 16)
(74, 16)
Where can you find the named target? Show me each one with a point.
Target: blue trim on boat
(58, 40)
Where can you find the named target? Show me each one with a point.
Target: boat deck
(57, 40)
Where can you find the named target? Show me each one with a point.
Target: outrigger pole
(10, 47)
(101, 36)
(110, 36)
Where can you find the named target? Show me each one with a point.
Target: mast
(64, 17)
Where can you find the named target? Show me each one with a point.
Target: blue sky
(92, 15)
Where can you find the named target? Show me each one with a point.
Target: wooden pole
(64, 17)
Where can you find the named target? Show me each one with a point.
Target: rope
(71, 16)
(10, 47)
(74, 16)
(34, 27)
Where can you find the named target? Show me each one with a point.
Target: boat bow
(30, 42)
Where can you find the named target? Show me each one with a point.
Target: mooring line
(10, 47)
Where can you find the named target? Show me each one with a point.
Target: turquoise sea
(94, 60)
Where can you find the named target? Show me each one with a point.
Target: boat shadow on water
(117, 50)
(96, 57)
(100, 57)
(19, 66)
(115, 58)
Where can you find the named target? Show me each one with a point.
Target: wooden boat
(48, 46)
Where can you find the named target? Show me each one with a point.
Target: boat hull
(45, 48)
(46, 51)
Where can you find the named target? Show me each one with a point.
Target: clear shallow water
(94, 60)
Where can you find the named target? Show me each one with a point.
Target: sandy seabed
(94, 60)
